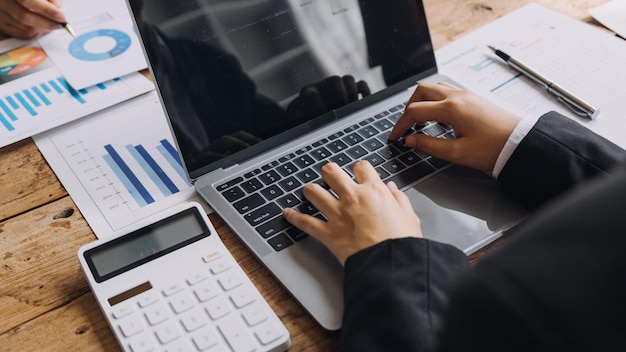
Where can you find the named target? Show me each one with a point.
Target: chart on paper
(124, 160)
(35, 97)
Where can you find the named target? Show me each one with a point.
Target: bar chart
(44, 99)
(119, 166)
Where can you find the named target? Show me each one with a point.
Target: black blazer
(558, 285)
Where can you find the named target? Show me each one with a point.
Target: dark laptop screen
(236, 73)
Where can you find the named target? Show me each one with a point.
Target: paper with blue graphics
(106, 43)
(120, 165)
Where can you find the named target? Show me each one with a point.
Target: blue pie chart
(78, 46)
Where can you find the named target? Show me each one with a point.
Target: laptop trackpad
(463, 207)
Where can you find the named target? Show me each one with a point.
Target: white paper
(35, 97)
(106, 44)
(586, 60)
(120, 165)
(612, 15)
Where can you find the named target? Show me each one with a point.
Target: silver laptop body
(260, 93)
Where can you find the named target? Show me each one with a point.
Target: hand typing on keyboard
(365, 211)
(481, 127)
(351, 224)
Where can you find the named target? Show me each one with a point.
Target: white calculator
(173, 286)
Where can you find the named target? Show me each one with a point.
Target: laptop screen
(238, 77)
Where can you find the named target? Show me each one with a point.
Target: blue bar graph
(127, 176)
(25, 104)
(156, 169)
(173, 158)
(32, 100)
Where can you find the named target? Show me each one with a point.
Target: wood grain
(45, 301)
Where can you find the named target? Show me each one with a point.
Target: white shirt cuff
(520, 131)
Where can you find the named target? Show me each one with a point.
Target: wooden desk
(46, 303)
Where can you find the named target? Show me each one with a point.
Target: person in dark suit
(559, 282)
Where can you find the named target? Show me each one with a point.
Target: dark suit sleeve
(395, 293)
(557, 154)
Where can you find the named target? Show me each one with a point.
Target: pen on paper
(68, 28)
(573, 102)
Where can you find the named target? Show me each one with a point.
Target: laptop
(260, 94)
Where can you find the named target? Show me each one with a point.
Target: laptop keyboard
(260, 195)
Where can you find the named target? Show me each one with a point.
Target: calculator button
(147, 299)
(122, 311)
(142, 343)
(157, 314)
(229, 281)
(236, 334)
(211, 257)
(254, 315)
(167, 333)
(218, 308)
(131, 326)
(219, 266)
(194, 320)
(206, 291)
(197, 277)
(205, 338)
(172, 289)
(242, 297)
(179, 345)
(182, 302)
(267, 332)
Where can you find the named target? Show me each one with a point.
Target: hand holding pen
(572, 101)
(26, 19)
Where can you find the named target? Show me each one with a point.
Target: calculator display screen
(145, 244)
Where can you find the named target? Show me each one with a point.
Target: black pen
(574, 103)
(68, 28)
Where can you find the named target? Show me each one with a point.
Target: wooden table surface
(45, 301)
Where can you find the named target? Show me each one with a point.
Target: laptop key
(353, 139)
(262, 214)
(290, 184)
(269, 177)
(225, 186)
(296, 234)
(287, 169)
(280, 242)
(341, 159)
(233, 194)
(307, 175)
(374, 159)
(357, 152)
(412, 174)
(304, 161)
(388, 152)
(410, 158)
(252, 185)
(273, 227)
(321, 153)
(245, 205)
(288, 201)
(272, 192)
(337, 146)
(394, 166)
(383, 124)
(373, 144)
(368, 131)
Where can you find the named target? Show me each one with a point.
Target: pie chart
(98, 45)
(21, 60)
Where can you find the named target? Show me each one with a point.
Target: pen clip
(575, 109)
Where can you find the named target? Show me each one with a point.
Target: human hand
(365, 213)
(26, 19)
(481, 127)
